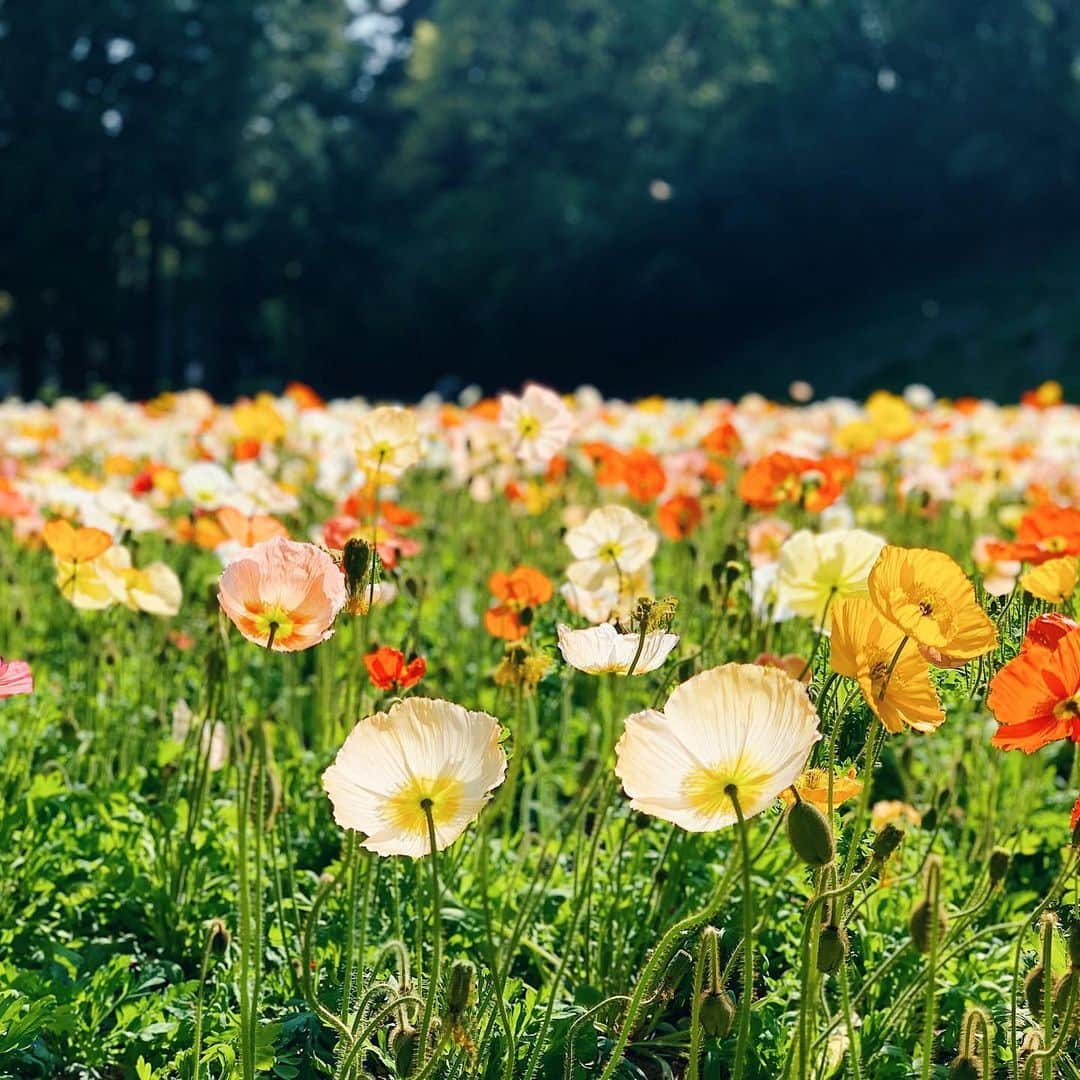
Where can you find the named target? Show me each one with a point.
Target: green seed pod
(832, 948)
(403, 1043)
(919, 925)
(810, 834)
(1033, 989)
(929, 820)
(356, 561)
(999, 865)
(459, 991)
(717, 1013)
(965, 1067)
(886, 842)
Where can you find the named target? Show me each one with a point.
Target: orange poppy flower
(609, 464)
(388, 669)
(1046, 532)
(304, 396)
(71, 545)
(774, 479)
(679, 516)
(722, 440)
(643, 475)
(524, 587)
(249, 529)
(1035, 697)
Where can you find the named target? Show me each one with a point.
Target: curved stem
(436, 933)
(743, 1037)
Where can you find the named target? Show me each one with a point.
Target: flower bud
(928, 915)
(832, 948)
(356, 562)
(965, 1067)
(810, 834)
(1062, 989)
(1034, 983)
(929, 820)
(459, 991)
(717, 1013)
(403, 1043)
(219, 937)
(886, 842)
(999, 865)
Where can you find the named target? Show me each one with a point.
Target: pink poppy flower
(15, 678)
(282, 594)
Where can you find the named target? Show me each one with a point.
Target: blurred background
(388, 196)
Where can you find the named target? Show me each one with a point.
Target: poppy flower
(813, 787)
(816, 568)
(602, 649)
(643, 474)
(738, 725)
(283, 594)
(387, 442)
(722, 440)
(524, 587)
(772, 480)
(15, 678)
(1045, 532)
(538, 424)
(75, 545)
(1074, 817)
(790, 663)
(249, 529)
(612, 541)
(421, 756)
(388, 669)
(895, 681)
(1053, 581)
(679, 516)
(1035, 697)
(930, 599)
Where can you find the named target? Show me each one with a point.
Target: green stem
(436, 934)
(743, 1037)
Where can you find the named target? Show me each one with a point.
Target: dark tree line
(622, 190)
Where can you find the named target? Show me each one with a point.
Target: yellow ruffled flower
(1053, 581)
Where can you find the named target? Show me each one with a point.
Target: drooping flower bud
(459, 991)
(928, 915)
(1034, 984)
(999, 865)
(810, 834)
(886, 842)
(832, 948)
(717, 1013)
(356, 562)
(965, 1067)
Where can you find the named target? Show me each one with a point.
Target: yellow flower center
(274, 617)
(611, 550)
(406, 807)
(528, 426)
(1069, 709)
(1053, 543)
(705, 789)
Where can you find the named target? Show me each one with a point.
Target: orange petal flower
(1035, 697)
(813, 787)
(1045, 532)
(249, 529)
(388, 669)
(679, 516)
(73, 545)
(929, 598)
(643, 475)
(523, 587)
(502, 622)
(283, 594)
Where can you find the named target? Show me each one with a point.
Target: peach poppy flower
(791, 663)
(1035, 697)
(930, 599)
(282, 594)
(894, 681)
(1045, 532)
(249, 529)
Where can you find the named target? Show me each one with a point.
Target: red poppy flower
(388, 669)
(643, 475)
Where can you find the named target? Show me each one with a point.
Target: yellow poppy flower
(894, 680)
(930, 599)
(813, 787)
(1053, 581)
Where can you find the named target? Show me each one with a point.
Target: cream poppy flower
(423, 753)
(208, 485)
(538, 423)
(601, 649)
(611, 539)
(816, 568)
(387, 441)
(155, 589)
(738, 725)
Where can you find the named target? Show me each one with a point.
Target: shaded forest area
(699, 197)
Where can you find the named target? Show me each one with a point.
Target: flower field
(540, 737)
